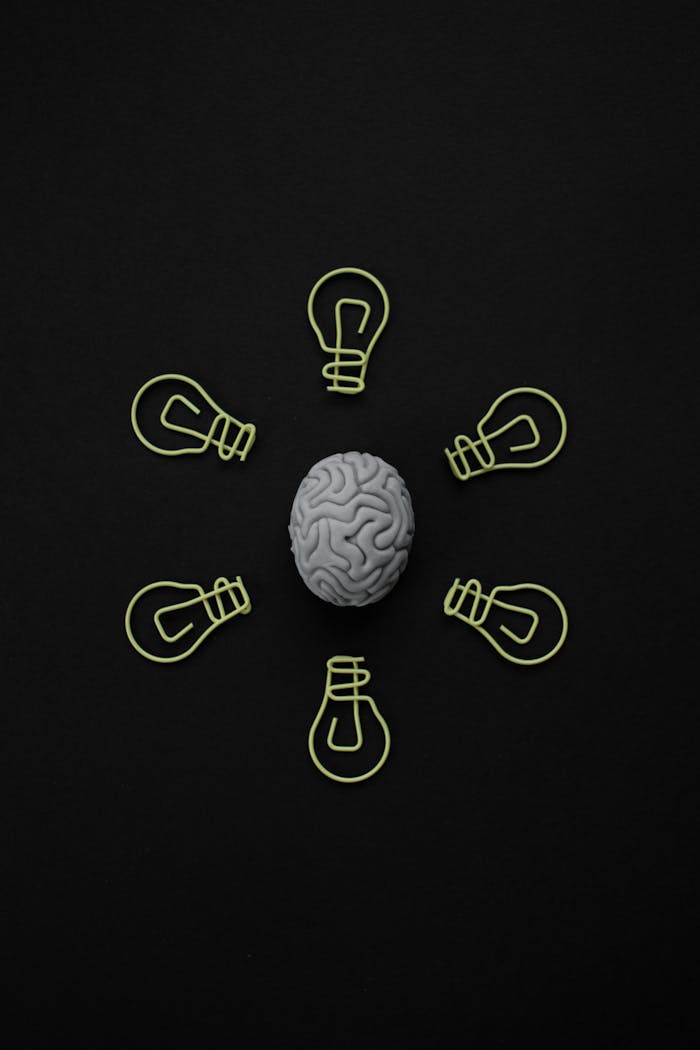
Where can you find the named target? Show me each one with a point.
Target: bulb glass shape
(344, 680)
(226, 599)
(468, 603)
(482, 454)
(228, 435)
(346, 372)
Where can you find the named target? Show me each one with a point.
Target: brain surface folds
(351, 528)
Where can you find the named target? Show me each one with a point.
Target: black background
(519, 179)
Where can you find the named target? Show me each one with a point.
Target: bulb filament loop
(227, 598)
(344, 679)
(359, 740)
(481, 607)
(482, 452)
(456, 603)
(217, 611)
(218, 433)
(345, 357)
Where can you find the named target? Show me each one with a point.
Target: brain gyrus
(351, 528)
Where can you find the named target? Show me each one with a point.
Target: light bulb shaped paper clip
(467, 602)
(344, 679)
(483, 454)
(229, 436)
(348, 368)
(226, 599)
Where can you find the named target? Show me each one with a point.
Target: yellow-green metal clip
(467, 602)
(348, 368)
(227, 598)
(230, 437)
(344, 679)
(471, 457)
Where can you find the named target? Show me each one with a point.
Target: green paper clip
(349, 365)
(211, 603)
(484, 457)
(220, 428)
(478, 611)
(344, 678)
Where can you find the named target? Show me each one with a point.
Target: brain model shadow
(351, 528)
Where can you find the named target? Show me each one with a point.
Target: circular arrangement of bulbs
(511, 627)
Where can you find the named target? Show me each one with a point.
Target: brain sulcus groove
(351, 528)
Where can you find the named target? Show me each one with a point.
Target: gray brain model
(351, 528)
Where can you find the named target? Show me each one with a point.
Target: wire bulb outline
(481, 447)
(346, 691)
(346, 360)
(214, 606)
(477, 614)
(218, 432)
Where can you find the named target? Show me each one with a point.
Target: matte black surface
(523, 864)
